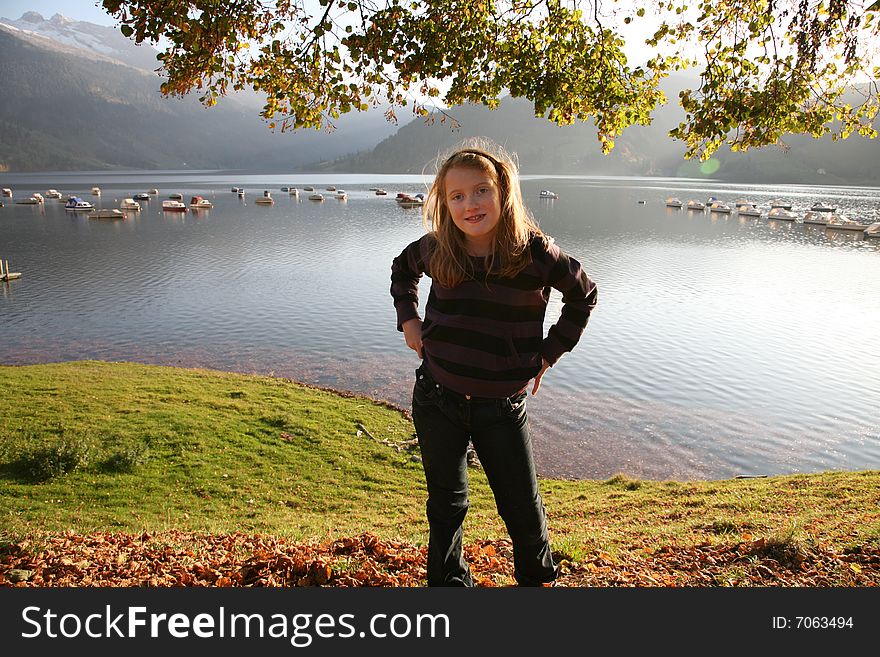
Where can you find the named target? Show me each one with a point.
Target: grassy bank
(117, 447)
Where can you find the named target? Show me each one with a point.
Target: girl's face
(473, 199)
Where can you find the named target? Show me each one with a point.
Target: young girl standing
(481, 344)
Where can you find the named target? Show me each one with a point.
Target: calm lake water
(721, 346)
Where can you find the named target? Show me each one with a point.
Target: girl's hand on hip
(544, 367)
(412, 333)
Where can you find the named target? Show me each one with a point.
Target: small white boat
(821, 206)
(673, 202)
(816, 218)
(719, 207)
(143, 196)
(235, 190)
(7, 192)
(109, 213)
(33, 200)
(547, 193)
(294, 191)
(748, 210)
(53, 193)
(240, 192)
(96, 191)
(873, 230)
(316, 197)
(199, 203)
(309, 188)
(842, 222)
(130, 205)
(265, 199)
(331, 188)
(176, 197)
(172, 205)
(75, 203)
(696, 206)
(777, 204)
(781, 214)
(341, 194)
(154, 191)
(380, 192)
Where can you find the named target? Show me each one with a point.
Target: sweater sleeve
(579, 296)
(406, 270)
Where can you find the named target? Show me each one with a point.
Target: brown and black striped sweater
(485, 337)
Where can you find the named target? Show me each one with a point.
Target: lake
(721, 345)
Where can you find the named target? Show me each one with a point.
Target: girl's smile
(474, 205)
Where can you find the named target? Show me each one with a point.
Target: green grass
(93, 446)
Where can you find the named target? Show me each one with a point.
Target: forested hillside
(64, 110)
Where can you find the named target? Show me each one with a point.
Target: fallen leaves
(171, 559)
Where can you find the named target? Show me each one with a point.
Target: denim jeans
(498, 428)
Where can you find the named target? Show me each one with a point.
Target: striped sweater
(485, 338)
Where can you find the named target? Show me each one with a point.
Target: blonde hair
(450, 263)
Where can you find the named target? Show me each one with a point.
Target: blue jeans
(445, 422)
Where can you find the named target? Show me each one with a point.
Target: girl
(481, 343)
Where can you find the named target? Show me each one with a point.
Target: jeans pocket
(515, 405)
(425, 390)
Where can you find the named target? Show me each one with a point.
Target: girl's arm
(406, 270)
(579, 296)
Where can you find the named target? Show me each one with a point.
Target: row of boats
(819, 214)
(313, 195)
(174, 203)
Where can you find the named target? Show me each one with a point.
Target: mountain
(543, 147)
(99, 40)
(81, 96)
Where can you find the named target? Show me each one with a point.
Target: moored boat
(75, 203)
(781, 214)
(53, 193)
(547, 193)
(315, 196)
(812, 217)
(199, 203)
(407, 201)
(173, 205)
(841, 222)
(107, 213)
(143, 196)
(873, 230)
(696, 206)
(265, 199)
(130, 205)
(719, 207)
(96, 191)
(748, 210)
(673, 202)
